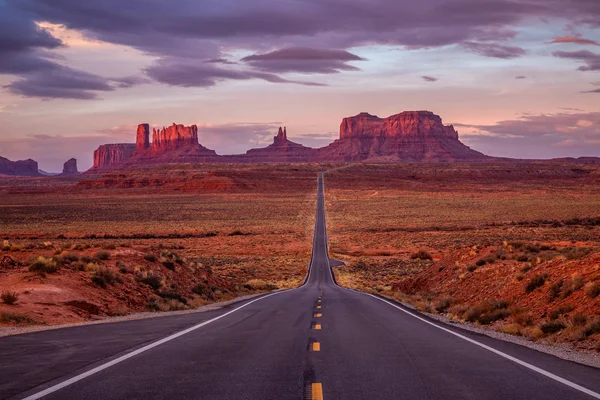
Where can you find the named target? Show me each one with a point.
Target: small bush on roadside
(152, 280)
(16, 318)
(592, 290)
(555, 290)
(150, 257)
(104, 277)
(9, 297)
(443, 305)
(552, 326)
(421, 255)
(43, 266)
(471, 268)
(593, 327)
(110, 246)
(487, 312)
(259, 284)
(535, 282)
(579, 320)
(5, 245)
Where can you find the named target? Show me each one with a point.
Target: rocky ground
(90, 247)
(508, 248)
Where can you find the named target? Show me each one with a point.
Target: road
(316, 341)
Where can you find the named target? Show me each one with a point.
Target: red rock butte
(411, 136)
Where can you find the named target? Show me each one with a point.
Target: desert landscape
(512, 247)
(414, 214)
(82, 249)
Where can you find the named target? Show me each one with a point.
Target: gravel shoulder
(563, 351)
(18, 330)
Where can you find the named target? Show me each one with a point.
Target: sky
(517, 78)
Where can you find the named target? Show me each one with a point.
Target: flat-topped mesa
(19, 168)
(174, 137)
(107, 156)
(415, 124)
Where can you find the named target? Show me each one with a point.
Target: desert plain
(511, 247)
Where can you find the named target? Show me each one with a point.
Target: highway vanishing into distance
(313, 342)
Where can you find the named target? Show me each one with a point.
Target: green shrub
(552, 326)
(16, 318)
(43, 266)
(579, 320)
(102, 255)
(104, 277)
(154, 281)
(421, 255)
(555, 290)
(9, 297)
(593, 327)
(487, 312)
(592, 290)
(535, 282)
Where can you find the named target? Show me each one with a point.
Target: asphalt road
(316, 341)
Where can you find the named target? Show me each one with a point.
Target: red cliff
(412, 136)
(109, 156)
(173, 137)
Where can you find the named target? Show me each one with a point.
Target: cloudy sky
(518, 78)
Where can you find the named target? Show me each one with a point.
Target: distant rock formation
(70, 167)
(107, 156)
(142, 140)
(173, 144)
(18, 168)
(282, 150)
(173, 137)
(413, 136)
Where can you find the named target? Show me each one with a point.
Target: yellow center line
(316, 391)
(318, 315)
(317, 326)
(316, 346)
(318, 306)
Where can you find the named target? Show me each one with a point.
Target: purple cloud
(494, 50)
(429, 78)
(521, 77)
(574, 39)
(592, 60)
(535, 136)
(188, 73)
(130, 81)
(304, 59)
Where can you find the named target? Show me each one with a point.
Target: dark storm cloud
(304, 59)
(429, 78)
(188, 73)
(494, 50)
(161, 27)
(25, 52)
(591, 60)
(200, 30)
(59, 82)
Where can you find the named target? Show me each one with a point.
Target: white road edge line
(498, 352)
(118, 360)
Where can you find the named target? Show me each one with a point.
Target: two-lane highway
(316, 341)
